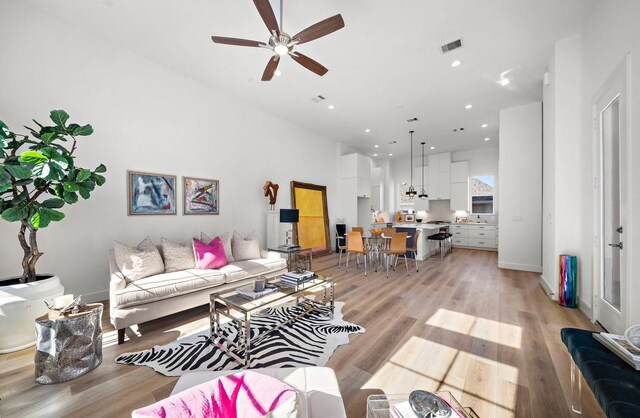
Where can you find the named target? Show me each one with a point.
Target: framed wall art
(312, 229)
(201, 196)
(151, 194)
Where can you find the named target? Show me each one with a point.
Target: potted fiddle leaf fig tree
(38, 177)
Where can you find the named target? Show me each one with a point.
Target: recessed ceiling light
(367, 130)
(376, 146)
(484, 125)
(468, 106)
(390, 155)
(455, 63)
(432, 147)
(504, 82)
(278, 73)
(487, 139)
(331, 107)
(375, 155)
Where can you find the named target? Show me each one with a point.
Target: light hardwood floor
(490, 336)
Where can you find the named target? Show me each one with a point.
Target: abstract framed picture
(151, 194)
(201, 196)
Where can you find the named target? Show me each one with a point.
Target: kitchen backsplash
(439, 211)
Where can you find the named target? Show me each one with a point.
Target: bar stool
(441, 240)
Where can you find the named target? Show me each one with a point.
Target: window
(482, 195)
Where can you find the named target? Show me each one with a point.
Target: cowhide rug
(308, 341)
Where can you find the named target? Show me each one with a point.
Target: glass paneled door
(610, 123)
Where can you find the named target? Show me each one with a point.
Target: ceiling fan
(282, 44)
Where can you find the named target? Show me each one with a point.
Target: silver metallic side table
(68, 346)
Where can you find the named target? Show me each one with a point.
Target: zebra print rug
(307, 341)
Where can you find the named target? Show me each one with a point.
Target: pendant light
(411, 192)
(422, 194)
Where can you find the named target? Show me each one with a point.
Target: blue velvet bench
(615, 384)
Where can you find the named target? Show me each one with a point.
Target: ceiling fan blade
(320, 29)
(236, 41)
(266, 12)
(271, 67)
(309, 64)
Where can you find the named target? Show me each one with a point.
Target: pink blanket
(243, 395)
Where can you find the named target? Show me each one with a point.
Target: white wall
(610, 33)
(520, 206)
(562, 233)
(149, 118)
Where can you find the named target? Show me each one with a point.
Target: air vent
(318, 98)
(412, 120)
(451, 46)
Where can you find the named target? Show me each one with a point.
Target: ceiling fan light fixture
(281, 49)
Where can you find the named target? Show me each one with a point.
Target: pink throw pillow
(242, 395)
(209, 256)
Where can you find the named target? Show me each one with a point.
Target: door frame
(618, 79)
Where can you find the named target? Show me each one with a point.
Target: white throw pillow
(245, 248)
(139, 262)
(177, 257)
(226, 241)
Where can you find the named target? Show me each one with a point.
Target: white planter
(20, 305)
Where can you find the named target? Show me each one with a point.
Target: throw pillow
(209, 256)
(245, 248)
(242, 395)
(177, 257)
(139, 262)
(226, 240)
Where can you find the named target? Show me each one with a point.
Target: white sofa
(165, 294)
(317, 388)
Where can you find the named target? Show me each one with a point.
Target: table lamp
(289, 216)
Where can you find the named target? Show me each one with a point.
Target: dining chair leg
(386, 263)
(415, 257)
(406, 264)
(395, 264)
(365, 264)
(347, 268)
(339, 258)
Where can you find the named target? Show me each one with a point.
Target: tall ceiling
(385, 66)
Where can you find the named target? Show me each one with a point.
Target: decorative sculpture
(271, 191)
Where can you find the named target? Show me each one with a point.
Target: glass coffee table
(379, 405)
(229, 307)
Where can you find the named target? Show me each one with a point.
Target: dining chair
(355, 245)
(342, 246)
(414, 247)
(388, 232)
(397, 248)
(358, 229)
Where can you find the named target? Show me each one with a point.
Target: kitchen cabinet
(474, 236)
(354, 189)
(440, 176)
(460, 186)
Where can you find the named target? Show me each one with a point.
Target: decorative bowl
(376, 232)
(632, 335)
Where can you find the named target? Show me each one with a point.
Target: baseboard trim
(547, 289)
(95, 296)
(587, 310)
(521, 267)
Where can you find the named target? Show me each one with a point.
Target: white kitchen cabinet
(460, 172)
(459, 200)
(440, 176)
(460, 197)
(363, 187)
(474, 236)
(355, 188)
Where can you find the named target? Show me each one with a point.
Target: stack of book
(292, 278)
(620, 347)
(248, 292)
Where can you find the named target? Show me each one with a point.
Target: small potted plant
(38, 176)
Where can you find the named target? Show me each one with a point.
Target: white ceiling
(385, 66)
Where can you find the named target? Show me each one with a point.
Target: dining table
(376, 245)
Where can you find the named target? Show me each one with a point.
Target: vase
(20, 305)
